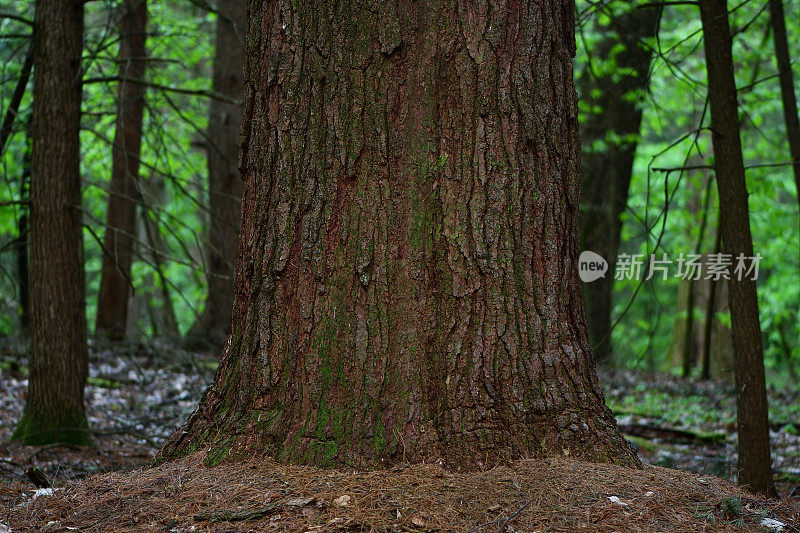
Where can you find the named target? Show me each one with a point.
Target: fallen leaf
(342, 501)
(310, 512)
(616, 500)
(774, 525)
(301, 502)
(42, 492)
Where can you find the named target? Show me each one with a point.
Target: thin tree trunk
(688, 355)
(407, 281)
(711, 305)
(755, 469)
(54, 409)
(168, 324)
(23, 228)
(21, 245)
(787, 86)
(115, 282)
(607, 173)
(224, 181)
(16, 99)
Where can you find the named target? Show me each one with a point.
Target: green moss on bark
(35, 430)
(218, 453)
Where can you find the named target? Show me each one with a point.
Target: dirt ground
(551, 495)
(139, 394)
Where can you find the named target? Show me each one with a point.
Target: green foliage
(665, 208)
(173, 172)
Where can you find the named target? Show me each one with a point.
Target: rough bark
(788, 98)
(54, 407)
(115, 281)
(751, 399)
(407, 284)
(224, 182)
(606, 174)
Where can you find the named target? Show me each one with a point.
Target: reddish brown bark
(406, 286)
(115, 283)
(755, 469)
(224, 181)
(54, 410)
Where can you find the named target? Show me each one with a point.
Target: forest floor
(138, 394)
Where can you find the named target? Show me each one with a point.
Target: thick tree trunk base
(406, 286)
(458, 452)
(457, 438)
(66, 428)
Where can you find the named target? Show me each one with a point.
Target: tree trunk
(12, 111)
(23, 231)
(21, 244)
(54, 410)
(711, 307)
(778, 23)
(751, 399)
(165, 313)
(689, 356)
(115, 282)
(607, 173)
(224, 181)
(407, 284)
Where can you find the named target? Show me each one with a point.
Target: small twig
(18, 18)
(681, 169)
(161, 87)
(49, 447)
(237, 516)
(480, 527)
(668, 3)
(515, 513)
(130, 431)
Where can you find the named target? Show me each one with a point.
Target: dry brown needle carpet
(532, 495)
